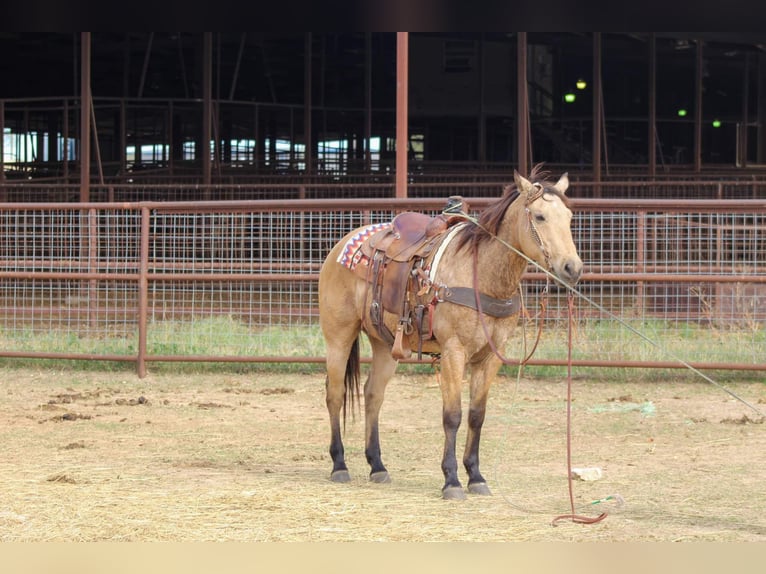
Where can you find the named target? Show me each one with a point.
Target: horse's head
(547, 236)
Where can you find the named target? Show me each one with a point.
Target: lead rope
(663, 350)
(576, 518)
(571, 292)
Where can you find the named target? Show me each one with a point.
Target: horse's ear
(522, 184)
(563, 183)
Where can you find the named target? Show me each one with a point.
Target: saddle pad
(351, 253)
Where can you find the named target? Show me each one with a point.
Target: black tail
(351, 397)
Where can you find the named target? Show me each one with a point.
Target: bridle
(532, 228)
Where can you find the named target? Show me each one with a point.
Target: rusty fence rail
(236, 281)
(419, 187)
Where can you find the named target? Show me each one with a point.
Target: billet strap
(466, 297)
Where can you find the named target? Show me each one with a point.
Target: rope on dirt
(573, 516)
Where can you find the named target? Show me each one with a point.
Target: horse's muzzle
(570, 271)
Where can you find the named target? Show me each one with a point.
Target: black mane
(491, 218)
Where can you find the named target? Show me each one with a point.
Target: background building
(599, 104)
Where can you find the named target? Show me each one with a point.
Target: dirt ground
(105, 456)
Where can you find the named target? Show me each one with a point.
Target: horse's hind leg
(381, 371)
(342, 368)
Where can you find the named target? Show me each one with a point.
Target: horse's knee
(476, 417)
(451, 419)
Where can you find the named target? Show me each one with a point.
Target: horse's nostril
(572, 270)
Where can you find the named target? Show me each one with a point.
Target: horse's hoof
(380, 477)
(340, 476)
(479, 488)
(453, 493)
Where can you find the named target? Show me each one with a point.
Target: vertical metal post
(307, 105)
(367, 101)
(123, 128)
(761, 111)
(65, 130)
(482, 119)
(652, 139)
(260, 141)
(402, 93)
(698, 110)
(84, 117)
(235, 75)
(745, 113)
(207, 108)
(92, 246)
(597, 125)
(522, 105)
(640, 259)
(171, 139)
(2, 149)
(145, 67)
(143, 292)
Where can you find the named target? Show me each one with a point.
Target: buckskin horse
(447, 286)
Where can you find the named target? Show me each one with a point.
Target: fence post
(640, 259)
(92, 250)
(143, 292)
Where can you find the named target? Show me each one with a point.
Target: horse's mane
(492, 217)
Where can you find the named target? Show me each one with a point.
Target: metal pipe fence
(236, 281)
(425, 186)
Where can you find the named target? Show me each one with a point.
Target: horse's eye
(539, 217)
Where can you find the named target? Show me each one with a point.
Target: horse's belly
(430, 346)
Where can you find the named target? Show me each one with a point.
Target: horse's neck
(499, 268)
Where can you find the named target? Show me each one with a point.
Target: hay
(194, 461)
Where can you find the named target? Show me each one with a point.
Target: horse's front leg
(482, 376)
(453, 367)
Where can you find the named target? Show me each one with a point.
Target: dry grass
(105, 456)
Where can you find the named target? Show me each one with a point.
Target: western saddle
(397, 261)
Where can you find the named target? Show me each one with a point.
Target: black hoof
(380, 477)
(479, 488)
(453, 493)
(340, 476)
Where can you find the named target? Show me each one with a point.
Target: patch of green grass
(228, 336)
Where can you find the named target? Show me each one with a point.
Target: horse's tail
(351, 397)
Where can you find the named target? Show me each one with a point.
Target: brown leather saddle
(396, 263)
(390, 260)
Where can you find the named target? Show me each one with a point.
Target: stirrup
(399, 350)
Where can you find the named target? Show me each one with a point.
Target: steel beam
(402, 125)
(84, 117)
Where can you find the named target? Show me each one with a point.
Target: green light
(581, 84)
(681, 112)
(569, 97)
(716, 123)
